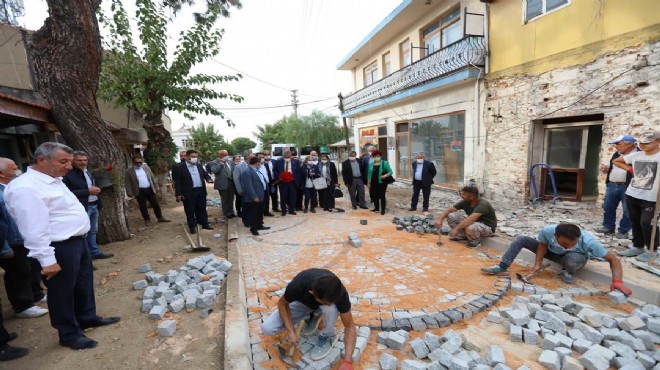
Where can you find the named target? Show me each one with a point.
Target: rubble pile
(195, 285)
(416, 224)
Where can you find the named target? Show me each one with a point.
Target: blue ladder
(537, 197)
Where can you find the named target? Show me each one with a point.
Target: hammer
(525, 279)
(287, 356)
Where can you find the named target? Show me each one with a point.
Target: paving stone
(225, 266)
(432, 341)
(593, 320)
(641, 314)
(191, 303)
(550, 360)
(494, 316)
(622, 350)
(646, 360)
(382, 336)
(551, 308)
(575, 334)
(515, 333)
(205, 300)
(414, 365)
(654, 325)
(364, 331)
(403, 324)
(533, 308)
(542, 315)
(616, 297)
(144, 268)
(555, 324)
(534, 326)
(157, 312)
(571, 363)
(631, 323)
(651, 309)
(634, 365)
(167, 328)
(388, 325)
(430, 322)
(548, 299)
(550, 342)
(177, 305)
(404, 334)
(451, 336)
(417, 324)
(605, 352)
(140, 284)
(395, 341)
(147, 304)
(457, 364)
(467, 311)
(563, 352)
(620, 362)
(565, 317)
(388, 362)
(471, 346)
(441, 319)
(610, 333)
(420, 349)
(608, 322)
(480, 367)
(518, 317)
(590, 333)
(451, 348)
(582, 345)
(564, 340)
(442, 356)
(530, 336)
(644, 336)
(495, 355)
(592, 360)
(453, 315)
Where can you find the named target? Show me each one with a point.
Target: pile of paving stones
(416, 224)
(433, 352)
(560, 326)
(195, 285)
(336, 354)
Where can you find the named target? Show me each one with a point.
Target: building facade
(417, 82)
(566, 77)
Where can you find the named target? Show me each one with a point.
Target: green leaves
(316, 129)
(242, 145)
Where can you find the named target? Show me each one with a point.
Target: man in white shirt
(140, 183)
(642, 193)
(617, 182)
(268, 163)
(53, 224)
(264, 170)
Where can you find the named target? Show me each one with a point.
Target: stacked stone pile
(575, 335)
(416, 224)
(195, 285)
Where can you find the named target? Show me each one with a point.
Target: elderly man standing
(424, 171)
(354, 179)
(617, 182)
(272, 188)
(236, 174)
(82, 185)
(54, 224)
(190, 189)
(222, 168)
(480, 222)
(140, 183)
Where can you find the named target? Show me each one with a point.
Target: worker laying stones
(315, 295)
(480, 222)
(567, 245)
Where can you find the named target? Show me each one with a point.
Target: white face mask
(352, 158)
(376, 159)
(262, 160)
(324, 161)
(267, 158)
(193, 160)
(420, 161)
(287, 160)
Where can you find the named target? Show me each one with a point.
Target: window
(387, 66)
(370, 73)
(404, 53)
(442, 32)
(536, 8)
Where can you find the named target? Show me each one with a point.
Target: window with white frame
(537, 8)
(371, 73)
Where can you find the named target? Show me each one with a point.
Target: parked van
(277, 150)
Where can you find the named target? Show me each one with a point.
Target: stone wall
(626, 84)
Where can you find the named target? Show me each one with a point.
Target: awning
(342, 142)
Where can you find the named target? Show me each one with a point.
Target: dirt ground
(133, 343)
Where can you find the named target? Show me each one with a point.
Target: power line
(273, 106)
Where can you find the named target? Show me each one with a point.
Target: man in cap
(642, 193)
(616, 183)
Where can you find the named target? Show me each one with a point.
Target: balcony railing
(468, 51)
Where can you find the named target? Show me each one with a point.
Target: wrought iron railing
(468, 51)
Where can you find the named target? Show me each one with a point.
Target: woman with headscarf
(379, 169)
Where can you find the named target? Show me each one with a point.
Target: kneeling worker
(567, 245)
(321, 293)
(480, 222)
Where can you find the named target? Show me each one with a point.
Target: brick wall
(629, 104)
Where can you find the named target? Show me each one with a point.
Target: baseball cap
(649, 137)
(627, 138)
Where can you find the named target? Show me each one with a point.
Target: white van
(278, 149)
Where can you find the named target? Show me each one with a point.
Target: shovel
(525, 279)
(194, 247)
(287, 355)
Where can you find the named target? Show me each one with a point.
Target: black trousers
(288, 197)
(273, 198)
(641, 214)
(327, 197)
(4, 335)
(21, 277)
(227, 197)
(147, 194)
(195, 208)
(253, 213)
(265, 206)
(238, 202)
(426, 193)
(71, 291)
(377, 193)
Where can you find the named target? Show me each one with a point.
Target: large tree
(316, 129)
(207, 140)
(242, 145)
(66, 56)
(270, 134)
(139, 75)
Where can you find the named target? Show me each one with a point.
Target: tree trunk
(66, 55)
(160, 150)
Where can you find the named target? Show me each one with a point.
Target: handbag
(389, 180)
(338, 193)
(319, 183)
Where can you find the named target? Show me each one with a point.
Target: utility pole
(341, 109)
(294, 102)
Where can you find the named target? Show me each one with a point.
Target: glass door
(403, 153)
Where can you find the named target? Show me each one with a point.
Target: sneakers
(473, 244)
(621, 235)
(566, 277)
(495, 270)
(43, 300)
(34, 311)
(644, 257)
(323, 348)
(604, 230)
(8, 352)
(311, 325)
(630, 252)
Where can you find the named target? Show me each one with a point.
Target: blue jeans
(93, 213)
(614, 194)
(570, 261)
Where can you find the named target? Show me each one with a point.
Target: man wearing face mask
(315, 161)
(366, 161)
(354, 179)
(424, 171)
(140, 184)
(288, 189)
(222, 168)
(328, 171)
(264, 171)
(238, 170)
(254, 192)
(190, 189)
(272, 187)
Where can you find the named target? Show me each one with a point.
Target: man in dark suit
(82, 185)
(287, 190)
(268, 176)
(423, 173)
(272, 188)
(354, 179)
(366, 159)
(254, 193)
(222, 168)
(189, 187)
(140, 184)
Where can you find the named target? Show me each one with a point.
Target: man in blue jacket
(288, 190)
(254, 193)
(423, 173)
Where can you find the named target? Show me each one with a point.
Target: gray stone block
(395, 341)
(191, 303)
(548, 299)
(452, 337)
(575, 334)
(458, 364)
(364, 331)
(442, 356)
(530, 336)
(616, 297)
(404, 334)
(553, 308)
(550, 360)
(501, 367)
(647, 361)
(534, 325)
(571, 363)
(205, 300)
(582, 345)
(453, 315)
(620, 362)
(388, 362)
(515, 333)
(144, 268)
(177, 305)
(518, 317)
(556, 325)
(608, 322)
(167, 328)
(432, 341)
(550, 342)
(622, 350)
(225, 266)
(441, 319)
(196, 263)
(542, 315)
(417, 324)
(470, 345)
(420, 349)
(157, 312)
(646, 337)
(631, 323)
(563, 352)
(590, 333)
(653, 325)
(381, 337)
(495, 355)
(592, 360)
(450, 347)
(611, 333)
(147, 304)
(494, 316)
(140, 284)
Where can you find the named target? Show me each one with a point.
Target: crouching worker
(567, 245)
(315, 295)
